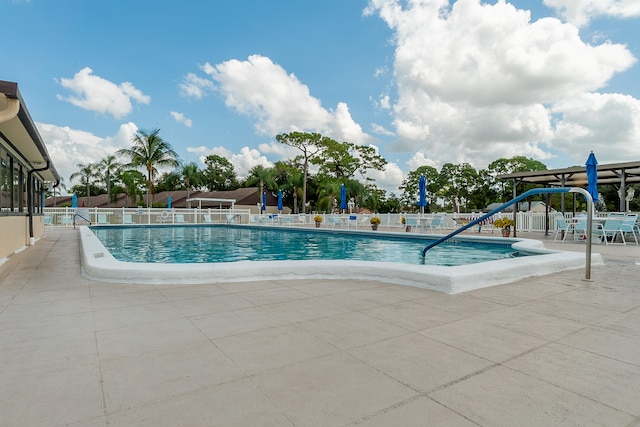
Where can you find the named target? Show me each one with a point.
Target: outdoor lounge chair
(411, 223)
(562, 226)
(613, 227)
(127, 219)
(333, 221)
(580, 230)
(437, 222)
(629, 225)
(207, 219)
(179, 219)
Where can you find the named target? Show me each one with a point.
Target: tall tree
(109, 167)
(134, 183)
(149, 150)
(191, 177)
(342, 160)
(288, 178)
(457, 182)
(219, 174)
(410, 187)
(262, 176)
(328, 192)
(505, 166)
(311, 145)
(86, 172)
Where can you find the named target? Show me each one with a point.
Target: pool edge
(98, 264)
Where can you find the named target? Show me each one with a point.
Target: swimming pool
(221, 243)
(99, 264)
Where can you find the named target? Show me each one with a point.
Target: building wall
(14, 230)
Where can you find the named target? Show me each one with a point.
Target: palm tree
(328, 194)
(86, 172)
(191, 176)
(150, 150)
(262, 175)
(110, 167)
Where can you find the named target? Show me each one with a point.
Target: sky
(425, 82)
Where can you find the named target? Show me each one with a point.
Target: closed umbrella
(343, 197)
(74, 201)
(592, 176)
(169, 202)
(422, 185)
(280, 200)
(264, 201)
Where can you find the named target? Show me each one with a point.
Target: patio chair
(67, 220)
(562, 226)
(580, 230)
(127, 219)
(333, 221)
(207, 219)
(411, 223)
(179, 219)
(630, 225)
(102, 219)
(437, 222)
(612, 228)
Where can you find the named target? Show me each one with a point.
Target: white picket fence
(66, 217)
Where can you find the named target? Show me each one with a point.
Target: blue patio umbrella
(168, 202)
(74, 201)
(343, 197)
(422, 201)
(279, 200)
(264, 201)
(592, 176)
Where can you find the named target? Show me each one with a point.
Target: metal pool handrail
(521, 197)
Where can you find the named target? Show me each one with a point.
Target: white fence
(526, 221)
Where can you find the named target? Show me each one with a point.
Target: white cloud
(580, 12)
(68, 147)
(607, 124)
(388, 179)
(97, 94)
(243, 161)
(278, 101)
(421, 159)
(195, 87)
(379, 129)
(476, 81)
(180, 118)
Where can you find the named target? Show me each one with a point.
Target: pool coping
(98, 264)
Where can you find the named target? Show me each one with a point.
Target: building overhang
(19, 133)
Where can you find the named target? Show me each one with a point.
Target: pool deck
(545, 351)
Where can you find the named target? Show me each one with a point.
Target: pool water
(224, 243)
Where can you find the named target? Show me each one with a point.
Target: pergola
(617, 174)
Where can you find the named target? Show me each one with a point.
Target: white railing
(64, 216)
(114, 216)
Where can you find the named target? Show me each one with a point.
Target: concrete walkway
(546, 351)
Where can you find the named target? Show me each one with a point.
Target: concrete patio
(546, 351)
